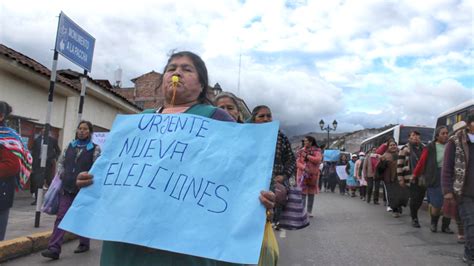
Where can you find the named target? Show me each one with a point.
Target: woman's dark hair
(256, 110)
(391, 141)
(227, 95)
(234, 100)
(5, 108)
(312, 140)
(200, 69)
(438, 131)
(89, 125)
(343, 158)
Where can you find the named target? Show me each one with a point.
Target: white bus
(399, 133)
(455, 114)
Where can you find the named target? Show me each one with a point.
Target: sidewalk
(22, 217)
(22, 237)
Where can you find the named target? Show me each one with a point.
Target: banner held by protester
(182, 183)
(341, 172)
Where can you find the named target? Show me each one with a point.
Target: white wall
(30, 100)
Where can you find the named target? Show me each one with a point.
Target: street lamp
(328, 128)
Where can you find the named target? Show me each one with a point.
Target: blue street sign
(74, 43)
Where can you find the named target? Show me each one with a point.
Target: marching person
(39, 178)
(307, 176)
(457, 181)
(387, 167)
(408, 157)
(359, 175)
(429, 168)
(15, 164)
(79, 156)
(342, 182)
(284, 163)
(351, 179)
(373, 181)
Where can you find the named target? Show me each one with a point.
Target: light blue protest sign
(331, 155)
(181, 183)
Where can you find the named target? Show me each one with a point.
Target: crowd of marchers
(441, 172)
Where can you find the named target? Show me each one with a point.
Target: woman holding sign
(184, 86)
(79, 156)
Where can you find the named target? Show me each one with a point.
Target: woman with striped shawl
(15, 166)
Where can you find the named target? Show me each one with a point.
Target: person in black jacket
(43, 176)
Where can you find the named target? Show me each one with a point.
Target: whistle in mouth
(175, 80)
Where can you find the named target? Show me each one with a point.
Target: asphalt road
(344, 231)
(348, 231)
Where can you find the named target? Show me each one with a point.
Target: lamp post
(328, 128)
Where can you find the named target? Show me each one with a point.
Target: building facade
(24, 84)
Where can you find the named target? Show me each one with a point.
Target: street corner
(13, 248)
(21, 246)
(40, 240)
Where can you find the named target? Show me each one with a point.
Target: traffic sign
(74, 43)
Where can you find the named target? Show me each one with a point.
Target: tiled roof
(103, 83)
(33, 65)
(39, 68)
(153, 72)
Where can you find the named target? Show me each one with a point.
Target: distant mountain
(321, 138)
(349, 141)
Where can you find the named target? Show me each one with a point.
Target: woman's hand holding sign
(267, 198)
(84, 179)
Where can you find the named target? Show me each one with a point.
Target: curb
(25, 245)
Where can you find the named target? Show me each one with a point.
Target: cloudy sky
(364, 63)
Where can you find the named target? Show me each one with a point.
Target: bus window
(451, 120)
(462, 116)
(426, 134)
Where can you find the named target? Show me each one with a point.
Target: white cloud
(328, 58)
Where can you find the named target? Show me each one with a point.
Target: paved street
(348, 231)
(344, 231)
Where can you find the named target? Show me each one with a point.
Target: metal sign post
(77, 45)
(44, 146)
(83, 94)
